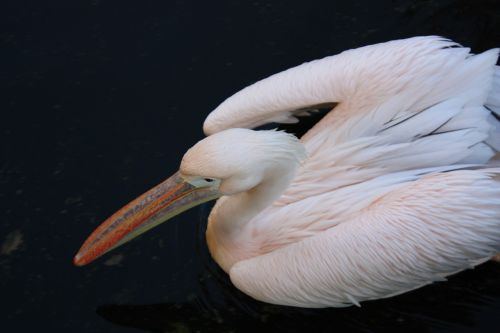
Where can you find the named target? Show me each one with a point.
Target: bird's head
(226, 163)
(239, 159)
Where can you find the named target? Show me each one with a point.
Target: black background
(99, 101)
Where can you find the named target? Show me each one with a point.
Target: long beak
(157, 205)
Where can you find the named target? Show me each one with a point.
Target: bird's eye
(203, 182)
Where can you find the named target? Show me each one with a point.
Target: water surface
(100, 99)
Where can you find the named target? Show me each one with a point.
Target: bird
(396, 187)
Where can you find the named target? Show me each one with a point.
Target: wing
(412, 235)
(401, 105)
(404, 109)
(361, 78)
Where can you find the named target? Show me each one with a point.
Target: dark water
(99, 101)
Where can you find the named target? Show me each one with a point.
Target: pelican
(395, 188)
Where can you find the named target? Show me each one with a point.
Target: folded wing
(417, 233)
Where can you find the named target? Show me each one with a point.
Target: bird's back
(408, 104)
(404, 153)
(408, 108)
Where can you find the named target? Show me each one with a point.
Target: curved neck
(230, 215)
(236, 210)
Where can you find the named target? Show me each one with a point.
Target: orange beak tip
(78, 260)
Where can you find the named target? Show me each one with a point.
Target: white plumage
(377, 208)
(393, 189)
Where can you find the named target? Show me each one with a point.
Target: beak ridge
(162, 202)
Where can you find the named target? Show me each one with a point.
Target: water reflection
(219, 307)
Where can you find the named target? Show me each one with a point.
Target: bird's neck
(229, 220)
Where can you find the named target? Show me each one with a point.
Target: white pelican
(393, 189)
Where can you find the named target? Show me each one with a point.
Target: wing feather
(437, 118)
(334, 79)
(384, 205)
(396, 106)
(417, 233)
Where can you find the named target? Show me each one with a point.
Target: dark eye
(208, 180)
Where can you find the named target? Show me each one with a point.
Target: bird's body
(393, 189)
